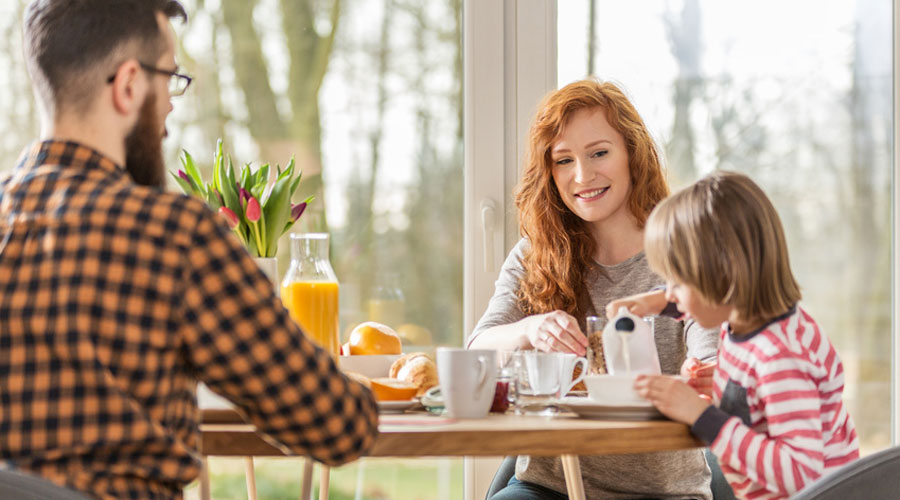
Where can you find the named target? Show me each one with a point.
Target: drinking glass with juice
(310, 290)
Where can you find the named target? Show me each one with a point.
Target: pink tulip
(253, 211)
(229, 216)
(245, 195)
(184, 176)
(297, 211)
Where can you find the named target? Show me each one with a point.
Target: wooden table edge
(224, 434)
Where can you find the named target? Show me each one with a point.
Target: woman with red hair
(591, 177)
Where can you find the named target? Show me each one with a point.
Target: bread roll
(359, 377)
(417, 369)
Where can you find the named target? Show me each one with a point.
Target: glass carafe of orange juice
(310, 290)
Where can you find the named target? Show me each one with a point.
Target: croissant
(417, 369)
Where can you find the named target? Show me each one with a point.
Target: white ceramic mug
(539, 373)
(567, 369)
(468, 379)
(543, 377)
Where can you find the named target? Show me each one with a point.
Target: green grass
(382, 479)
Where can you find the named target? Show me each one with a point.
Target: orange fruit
(374, 338)
(413, 334)
(391, 389)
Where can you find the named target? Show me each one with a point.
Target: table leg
(572, 471)
(251, 478)
(324, 476)
(204, 480)
(306, 483)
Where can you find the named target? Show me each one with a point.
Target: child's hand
(642, 304)
(699, 375)
(672, 397)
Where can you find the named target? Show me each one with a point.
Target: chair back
(504, 473)
(872, 477)
(22, 486)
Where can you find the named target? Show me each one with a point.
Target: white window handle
(488, 212)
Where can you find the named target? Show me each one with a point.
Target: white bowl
(613, 389)
(371, 365)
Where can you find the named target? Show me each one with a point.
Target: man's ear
(129, 87)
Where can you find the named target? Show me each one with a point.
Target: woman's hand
(699, 375)
(642, 304)
(672, 397)
(556, 331)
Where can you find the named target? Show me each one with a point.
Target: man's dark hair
(70, 43)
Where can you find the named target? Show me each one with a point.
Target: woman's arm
(506, 337)
(554, 331)
(505, 327)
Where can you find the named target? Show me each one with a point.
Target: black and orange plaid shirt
(115, 300)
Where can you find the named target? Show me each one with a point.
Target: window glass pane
(372, 116)
(797, 95)
(367, 96)
(375, 125)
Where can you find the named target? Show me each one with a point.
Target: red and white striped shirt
(780, 422)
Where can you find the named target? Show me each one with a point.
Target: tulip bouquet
(257, 215)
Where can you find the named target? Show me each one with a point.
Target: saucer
(589, 408)
(396, 406)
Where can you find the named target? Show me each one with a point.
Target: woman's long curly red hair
(562, 248)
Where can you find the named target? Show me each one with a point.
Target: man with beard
(117, 297)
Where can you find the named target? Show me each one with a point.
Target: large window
(367, 95)
(799, 96)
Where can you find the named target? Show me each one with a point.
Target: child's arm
(790, 453)
(642, 304)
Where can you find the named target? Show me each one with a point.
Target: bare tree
(298, 130)
(683, 30)
(591, 36)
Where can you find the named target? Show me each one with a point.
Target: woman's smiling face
(590, 167)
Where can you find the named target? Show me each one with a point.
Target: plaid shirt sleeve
(244, 346)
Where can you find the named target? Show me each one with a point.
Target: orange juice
(314, 306)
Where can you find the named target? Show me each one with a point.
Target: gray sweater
(666, 475)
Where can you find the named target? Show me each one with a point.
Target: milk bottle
(629, 346)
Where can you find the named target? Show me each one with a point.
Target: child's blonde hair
(722, 237)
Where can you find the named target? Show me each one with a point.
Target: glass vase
(269, 267)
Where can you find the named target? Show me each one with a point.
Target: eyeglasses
(178, 83)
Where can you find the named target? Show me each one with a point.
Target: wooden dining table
(421, 434)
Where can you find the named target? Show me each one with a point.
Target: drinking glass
(537, 381)
(594, 355)
(506, 391)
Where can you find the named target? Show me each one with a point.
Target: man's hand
(642, 304)
(556, 331)
(672, 397)
(699, 375)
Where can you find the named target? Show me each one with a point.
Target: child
(778, 422)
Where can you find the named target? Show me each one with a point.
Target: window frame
(895, 227)
(505, 75)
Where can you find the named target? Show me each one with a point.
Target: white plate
(396, 406)
(590, 408)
